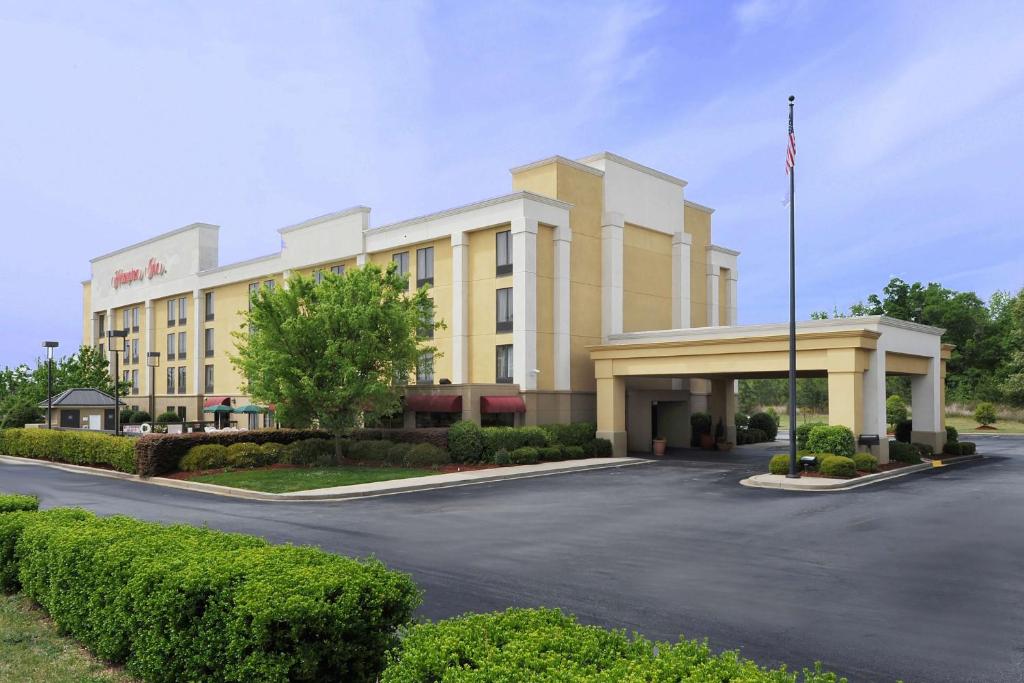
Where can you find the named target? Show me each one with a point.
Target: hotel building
(526, 283)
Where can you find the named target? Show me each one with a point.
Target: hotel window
(427, 330)
(424, 266)
(338, 270)
(318, 275)
(425, 368)
(135, 351)
(504, 364)
(182, 345)
(170, 380)
(253, 288)
(208, 380)
(170, 346)
(504, 313)
(503, 251)
(209, 342)
(402, 260)
(182, 372)
(172, 312)
(127, 353)
(102, 349)
(182, 311)
(126, 318)
(208, 301)
(135, 381)
(135, 319)
(124, 376)
(182, 413)
(102, 320)
(269, 284)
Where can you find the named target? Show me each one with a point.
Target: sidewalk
(379, 488)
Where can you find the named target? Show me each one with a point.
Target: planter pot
(707, 441)
(658, 446)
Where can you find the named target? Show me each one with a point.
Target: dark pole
(792, 307)
(49, 389)
(117, 401)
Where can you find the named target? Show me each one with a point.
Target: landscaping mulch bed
(444, 469)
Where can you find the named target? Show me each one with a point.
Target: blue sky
(124, 120)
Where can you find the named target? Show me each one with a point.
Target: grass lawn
(284, 480)
(969, 424)
(31, 651)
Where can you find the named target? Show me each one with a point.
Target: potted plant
(700, 425)
(658, 446)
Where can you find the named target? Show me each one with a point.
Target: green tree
(86, 368)
(895, 410)
(336, 351)
(17, 410)
(985, 413)
(1012, 387)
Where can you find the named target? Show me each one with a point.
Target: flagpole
(793, 474)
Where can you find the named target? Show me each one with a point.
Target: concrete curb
(340, 493)
(823, 485)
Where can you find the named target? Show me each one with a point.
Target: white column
(524, 303)
(874, 401)
(612, 228)
(147, 346)
(732, 292)
(712, 297)
(362, 259)
(926, 403)
(563, 245)
(198, 333)
(681, 242)
(460, 308)
(106, 340)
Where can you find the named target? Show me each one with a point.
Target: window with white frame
(424, 266)
(504, 310)
(503, 362)
(425, 368)
(503, 252)
(182, 345)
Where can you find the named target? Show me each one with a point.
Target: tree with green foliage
(985, 414)
(337, 351)
(895, 410)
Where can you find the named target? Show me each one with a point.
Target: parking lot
(918, 578)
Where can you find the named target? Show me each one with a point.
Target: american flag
(791, 148)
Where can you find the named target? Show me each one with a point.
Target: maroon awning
(434, 403)
(217, 401)
(502, 404)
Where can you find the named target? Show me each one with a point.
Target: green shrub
(779, 464)
(465, 442)
(141, 416)
(157, 454)
(602, 448)
(837, 466)
(502, 457)
(968, 448)
(903, 431)
(497, 438)
(12, 524)
(206, 457)
(985, 414)
(547, 645)
(74, 447)
(550, 453)
(766, 423)
(397, 454)
(700, 423)
(273, 453)
(903, 452)
(924, 449)
(179, 603)
(124, 416)
(246, 455)
(308, 451)
(804, 430)
(527, 455)
(895, 409)
(167, 417)
(573, 434)
(370, 452)
(741, 421)
(534, 437)
(952, 435)
(426, 455)
(865, 462)
(18, 502)
(574, 452)
(836, 439)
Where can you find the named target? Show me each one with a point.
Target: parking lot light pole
(49, 346)
(113, 337)
(153, 361)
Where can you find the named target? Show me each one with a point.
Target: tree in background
(1013, 383)
(895, 410)
(337, 351)
(985, 414)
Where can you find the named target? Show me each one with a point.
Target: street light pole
(112, 338)
(153, 361)
(49, 346)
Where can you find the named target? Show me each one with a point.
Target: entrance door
(108, 419)
(672, 422)
(70, 418)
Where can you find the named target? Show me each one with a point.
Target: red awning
(502, 404)
(434, 403)
(217, 401)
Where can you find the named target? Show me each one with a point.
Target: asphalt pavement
(920, 578)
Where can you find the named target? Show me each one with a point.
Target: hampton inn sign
(149, 271)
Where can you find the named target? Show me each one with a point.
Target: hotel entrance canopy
(855, 354)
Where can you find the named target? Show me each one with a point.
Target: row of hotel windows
(502, 363)
(177, 344)
(177, 313)
(131, 377)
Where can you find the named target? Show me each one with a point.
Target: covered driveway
(855, 354)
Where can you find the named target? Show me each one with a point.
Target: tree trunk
(338, 455)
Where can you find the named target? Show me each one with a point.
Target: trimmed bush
(437, 436)
(18, 502)
(426, 455)
(903, 452)
(952, 435)
(865, 462)
(12, 524)
(550, 453)
(167, 417)
(206, 457)
(465, 441)
(177, 603)
(273, 453)
(924, 449)
(804, 430)
(245, 455)
(534, 437)
(985, 414)
(398, 453)
(601, 448)
(77, 448)
(547, 645)
(573, 434)
(141, 416)
(573, 452)
(968, 448)
(779, 464)
(372, 452)
(895, 409)
(765, 423)
(903, 430)
(837, 466)
(836, 439)
(502, 457)
(125, 416)
(157, 454)
(527, 455)
(741, 421)
(308, 452)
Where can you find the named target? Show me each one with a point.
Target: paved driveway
(920, 578)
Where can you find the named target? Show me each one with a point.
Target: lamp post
(113, 336)
(49, 346)
(153, 361)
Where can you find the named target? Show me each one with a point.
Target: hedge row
(18, 502)
(77, 448)
(319, 452)
(177, 603)
(552, 646)
(157, 454)
(468, 442)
